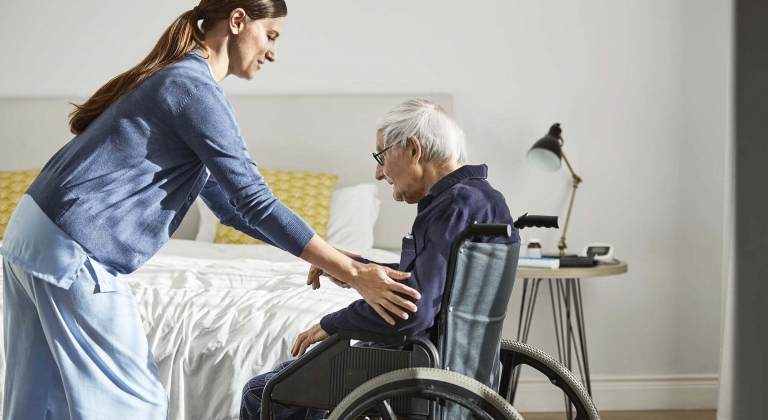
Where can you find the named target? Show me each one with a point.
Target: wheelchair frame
(319, 359)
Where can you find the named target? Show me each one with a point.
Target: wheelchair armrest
(363, 335)
(422, 342)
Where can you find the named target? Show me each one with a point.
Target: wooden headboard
(324, 133)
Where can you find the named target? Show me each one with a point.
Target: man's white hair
(439, 135)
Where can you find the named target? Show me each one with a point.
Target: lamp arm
(576, 181)
(576, 178)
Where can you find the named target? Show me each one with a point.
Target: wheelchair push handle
(525, 221)
(504, 230)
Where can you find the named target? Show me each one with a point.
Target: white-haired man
(421, 152)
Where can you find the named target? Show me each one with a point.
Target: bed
(218, 314)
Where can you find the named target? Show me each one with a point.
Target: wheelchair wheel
(514, 354)
(427, 383)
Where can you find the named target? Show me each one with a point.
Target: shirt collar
(453, 178)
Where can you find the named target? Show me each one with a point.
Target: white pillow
(206, 228)
(354, 211)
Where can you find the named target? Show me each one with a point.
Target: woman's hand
(377, 285)
(311, 336)
(313, 278)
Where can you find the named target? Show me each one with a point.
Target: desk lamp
(547, 155)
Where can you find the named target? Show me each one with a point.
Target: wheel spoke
(457, 391)
(385, 411)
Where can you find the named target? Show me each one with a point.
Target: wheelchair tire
(557, 374)
(428, 383)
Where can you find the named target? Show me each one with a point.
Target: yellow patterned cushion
(12, 188)
(307, 194)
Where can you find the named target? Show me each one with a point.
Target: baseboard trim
(619, 393)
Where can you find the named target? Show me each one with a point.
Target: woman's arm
(214, 198)
(208, 126)
(375, 283)
(315, 272)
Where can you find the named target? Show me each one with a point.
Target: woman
(147, 144)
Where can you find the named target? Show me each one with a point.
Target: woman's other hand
(315, 272)
(313, 278)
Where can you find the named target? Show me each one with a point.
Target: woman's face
(253, 45)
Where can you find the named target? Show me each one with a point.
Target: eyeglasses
(377, 156)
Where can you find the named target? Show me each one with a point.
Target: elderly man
(421, 153)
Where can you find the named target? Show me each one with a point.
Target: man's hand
(313, 335)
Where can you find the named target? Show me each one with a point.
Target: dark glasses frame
(378, 158)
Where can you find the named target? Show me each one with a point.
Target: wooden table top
(600, 270)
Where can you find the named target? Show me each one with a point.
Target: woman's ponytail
(183, 36)
(178, 40)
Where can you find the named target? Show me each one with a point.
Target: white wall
(639, 86)
(705, 113)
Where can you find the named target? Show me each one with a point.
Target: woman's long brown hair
(183, 36)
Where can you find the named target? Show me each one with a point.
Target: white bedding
(216, 315)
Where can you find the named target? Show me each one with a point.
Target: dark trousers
(250, 406)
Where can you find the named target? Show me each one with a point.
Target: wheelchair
(462, 370)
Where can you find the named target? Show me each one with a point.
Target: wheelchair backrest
(479, 290)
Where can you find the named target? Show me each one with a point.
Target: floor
(633, 415)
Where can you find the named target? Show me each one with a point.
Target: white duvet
(217, 315)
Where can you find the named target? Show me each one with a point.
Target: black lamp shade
(546, 154)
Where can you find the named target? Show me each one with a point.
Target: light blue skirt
(74, 344)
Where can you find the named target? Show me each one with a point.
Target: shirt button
(189, 198)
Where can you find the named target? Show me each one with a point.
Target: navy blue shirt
(457, 200)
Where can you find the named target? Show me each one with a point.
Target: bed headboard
(323, 133)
